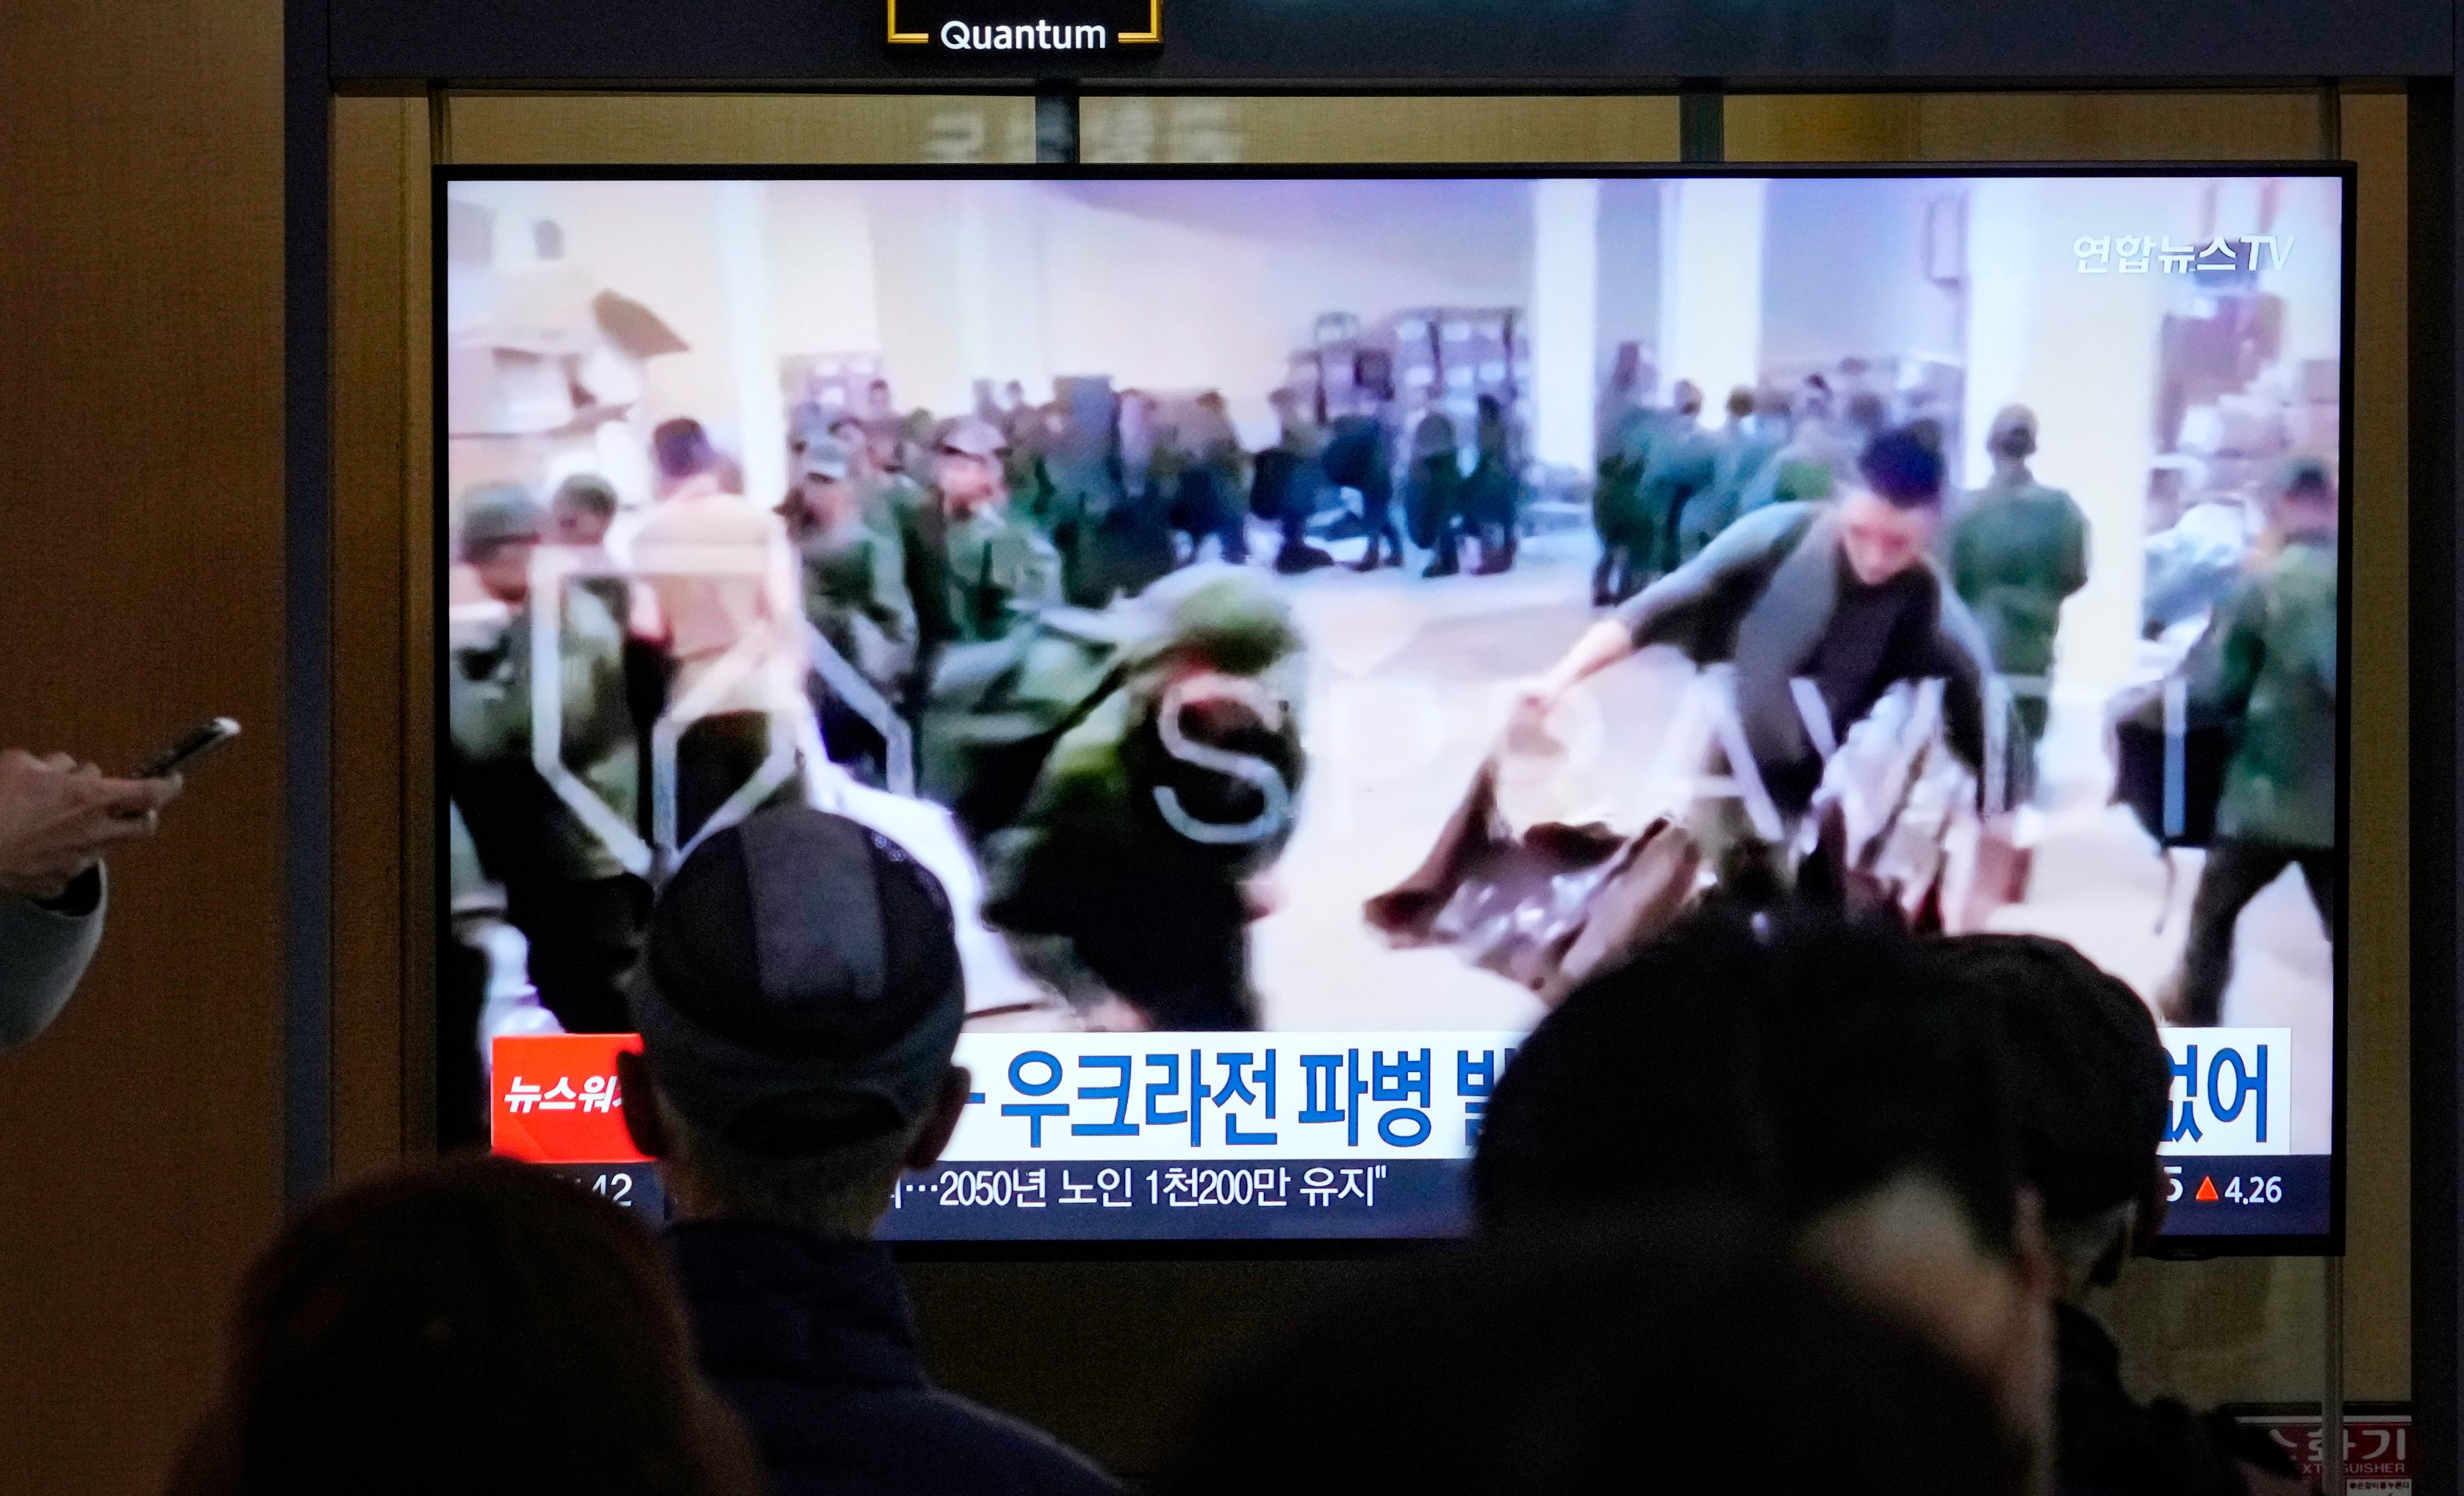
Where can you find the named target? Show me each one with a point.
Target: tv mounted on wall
(1176, 553)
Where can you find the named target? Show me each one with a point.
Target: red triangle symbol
(2207, 1189)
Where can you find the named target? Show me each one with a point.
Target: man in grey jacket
(56, 819)
(1841, 597)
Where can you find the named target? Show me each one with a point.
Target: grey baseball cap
(825, 457)
(975, 437)
(496, 514)
(799, 987)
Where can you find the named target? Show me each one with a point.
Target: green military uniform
(996, 709)
(1625, 455)
(1124, 870)
(2013, 554)
(1742, 454)
(1493, 493)
(1618, 514)
(1024, 475)
(1685, 462)
(2275, 675)
(1166, 469)
(520, 831)
(565, 889)
(1113, 529)
(907, 509)
(2277, 672)
(999, 570)
(1207, 491)
(855, 593)
(1796, 473)
(1091, 520)
(1433, 491)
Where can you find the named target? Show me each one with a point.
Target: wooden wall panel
(141, 589)
(385, 858)
(1824, 128)
(748, 129)
(1605, 128)
(2183, 127)
(2216, 126)
(2378, 1089)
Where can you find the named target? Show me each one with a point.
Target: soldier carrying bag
(986, 737)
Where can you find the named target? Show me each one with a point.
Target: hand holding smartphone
(58, 819)
(191, 746)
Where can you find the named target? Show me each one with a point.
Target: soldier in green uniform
(895, 505)
(2015, 553)
(1816, 457)
(854, 569)
(997, 707)
(1433, 489)
(573, 899)
(1742, 446)
(1135, 538)
(1083, 505)
(1288, 479)
(1031, 433)
(998, 567)
(1214, 472)
(578, 517)
(1616, 499)
(855, 596)
(1684, 462)
(918, 439)
(1360, 456)
(2273, 676)
(1134, 867)
(1493, 493)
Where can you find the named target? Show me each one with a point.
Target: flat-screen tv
(1199, 568)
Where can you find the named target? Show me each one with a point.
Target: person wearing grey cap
(579, 515)
(2015, 554)
(897, 505)
(2269, 670)
(2089, 1084)
(855, 596)
(855, 568)
(798, 1001)
(999, 568)
(571, 896)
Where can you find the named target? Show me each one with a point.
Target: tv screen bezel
(2329, 1242)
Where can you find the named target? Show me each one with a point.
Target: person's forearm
(42, 955)
(1601, 646)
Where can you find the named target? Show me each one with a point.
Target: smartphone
(192, 745)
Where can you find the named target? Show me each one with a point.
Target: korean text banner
(1227, 1095)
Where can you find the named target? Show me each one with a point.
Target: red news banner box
(557, 1099)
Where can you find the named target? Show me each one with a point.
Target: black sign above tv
(1478, 44)
(1084, 31)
